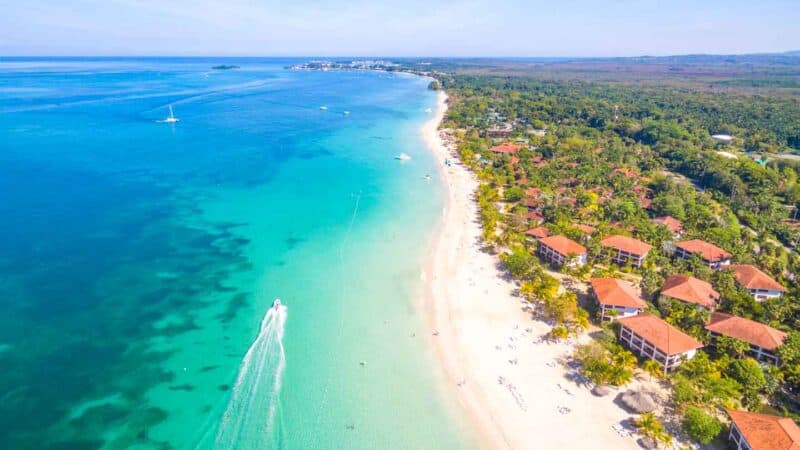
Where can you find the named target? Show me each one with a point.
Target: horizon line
(795, 52)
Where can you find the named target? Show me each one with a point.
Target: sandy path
(482, 327)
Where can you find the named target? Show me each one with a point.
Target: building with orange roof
(626, 250)
(507, 148)
(763, 339)
(533, 192)
(586, 229)
(755, 431)
(715, 257)
(535, 216)
(617, 298)
(760, 285)
(672, 224)
(561, 250)
(688, 289)
(538, 232)
(652, 337)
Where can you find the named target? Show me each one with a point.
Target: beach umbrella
(638, 401)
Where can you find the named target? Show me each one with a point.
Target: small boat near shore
(403, 157)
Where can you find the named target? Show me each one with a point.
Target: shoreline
(511, 386)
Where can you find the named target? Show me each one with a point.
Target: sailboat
(171, 118)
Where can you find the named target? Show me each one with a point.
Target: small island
(225, 67)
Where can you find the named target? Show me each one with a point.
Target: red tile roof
(533, 192)
(705, 250)
(752, 332)
(691, 290)
(538, 232)
(586, 229)
(766, 432)
(673, 225)
(627, 244)
(535, 216)
(752, 278)
(614, 292)
(563, 245)
(663, 336)
(507, 148)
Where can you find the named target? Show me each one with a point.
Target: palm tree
(649, 426)
(653, 368)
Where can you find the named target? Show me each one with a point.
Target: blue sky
(397, 28)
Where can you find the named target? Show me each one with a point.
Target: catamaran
(171, 118)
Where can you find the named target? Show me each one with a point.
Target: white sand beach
(512, 387)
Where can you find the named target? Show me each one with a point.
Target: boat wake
(249, 416)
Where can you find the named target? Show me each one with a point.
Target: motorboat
(171, 118)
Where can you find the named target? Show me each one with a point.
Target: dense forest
(588, 158)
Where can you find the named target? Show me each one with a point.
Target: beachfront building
(586, 231)
(763, 339)
(760, 285)
(538, 232)
(617, 298)
(688, 289)
(672, 224)
(626, 250)
(651, 337)
(507, 148)
(755, 431)
(713, 256)
(561, 250)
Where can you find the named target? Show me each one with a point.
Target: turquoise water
(140, 259)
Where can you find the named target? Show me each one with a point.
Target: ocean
(140, 259)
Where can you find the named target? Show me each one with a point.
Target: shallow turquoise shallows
(140, 259)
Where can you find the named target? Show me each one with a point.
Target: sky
(396, 28)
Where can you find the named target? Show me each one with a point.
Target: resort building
(586, 230)
(617, 298)
(651, 337)
(691, 290)
(763, 339)
(760, 285)
(626, 250)
(507, 148)
(754, 431)
(561, 250)
(713, 256)
(538, 232)
(672, 224)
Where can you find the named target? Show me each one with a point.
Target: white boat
(428, 111)
(346, 113)
(403, 157)
(323, 107)
(171, 118)
(276, 305)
